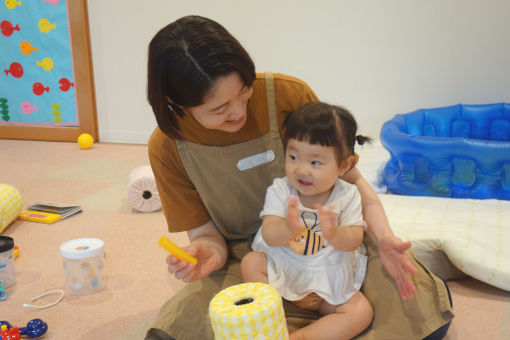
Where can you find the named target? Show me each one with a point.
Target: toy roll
(142, 191)
(11, 204)
(251, 310)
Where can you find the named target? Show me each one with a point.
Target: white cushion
(474, 234)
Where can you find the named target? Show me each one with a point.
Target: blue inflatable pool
(455, 151)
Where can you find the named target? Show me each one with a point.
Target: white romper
(332, 274)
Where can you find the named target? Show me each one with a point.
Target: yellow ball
(85, 141)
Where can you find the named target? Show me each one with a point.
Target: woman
(217, 148)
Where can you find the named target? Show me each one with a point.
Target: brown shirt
(180, 201)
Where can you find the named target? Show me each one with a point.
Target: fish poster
(36, 66)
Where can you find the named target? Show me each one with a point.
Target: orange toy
(176, 251)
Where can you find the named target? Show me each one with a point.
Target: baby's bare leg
(254, 267)
(339, 322)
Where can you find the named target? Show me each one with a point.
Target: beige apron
(234, 197)
(232, 185)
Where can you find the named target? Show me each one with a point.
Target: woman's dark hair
(185, 59)
(324, 124)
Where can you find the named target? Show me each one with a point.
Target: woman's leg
(441, 332)
(395, 318)
(339, 322)
(185, 316)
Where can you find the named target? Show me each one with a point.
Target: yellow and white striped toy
(10, 205)
(251, 310)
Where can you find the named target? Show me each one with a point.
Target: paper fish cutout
(65, 84)
(16, 70)
(7, 28)
(46, 64)
(45, 25)
(51, 2)
(26, 47)
(38, 88)
(11, 4)
(27, 108)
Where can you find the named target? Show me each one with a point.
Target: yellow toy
(174, 249)
(85, 141)
(38, 216)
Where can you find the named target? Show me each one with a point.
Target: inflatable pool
(458, 151)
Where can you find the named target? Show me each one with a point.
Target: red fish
(7, 28)
(39, 89)
(15, 69)
(65, 84)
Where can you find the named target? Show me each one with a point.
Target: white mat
(474, 234)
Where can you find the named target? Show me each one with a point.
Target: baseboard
(129, 137)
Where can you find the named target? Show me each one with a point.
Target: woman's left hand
(392, 252)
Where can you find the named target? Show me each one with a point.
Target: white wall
(377, 58)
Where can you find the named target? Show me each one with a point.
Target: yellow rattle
(176, 251)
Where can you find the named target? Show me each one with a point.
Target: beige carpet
(137, 280)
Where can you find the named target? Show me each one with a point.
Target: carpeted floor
(137, 280)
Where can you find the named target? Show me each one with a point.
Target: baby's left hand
(328, 221)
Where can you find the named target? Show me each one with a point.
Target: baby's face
(312, 169)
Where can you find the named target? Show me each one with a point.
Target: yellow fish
(26, 47)
(45, 25)
(11, 4)
(46, 64)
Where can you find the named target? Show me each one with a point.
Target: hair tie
(360, 139)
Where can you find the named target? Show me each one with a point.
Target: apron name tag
(255, 160)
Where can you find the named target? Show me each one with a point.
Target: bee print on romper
(309, 240)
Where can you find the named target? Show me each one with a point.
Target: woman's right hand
(207, 261)
(209, 248)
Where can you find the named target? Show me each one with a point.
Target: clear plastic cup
(7, 275)
(83, 261)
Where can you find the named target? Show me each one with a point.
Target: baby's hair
(324, 124)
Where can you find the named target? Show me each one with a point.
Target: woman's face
(225, 106)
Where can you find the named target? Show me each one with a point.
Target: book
(49, 212)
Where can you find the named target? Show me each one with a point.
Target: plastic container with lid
(84, 265)
(7, 275)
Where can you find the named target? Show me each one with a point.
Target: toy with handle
(35, 328)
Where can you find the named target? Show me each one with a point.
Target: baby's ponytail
(362, 139)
